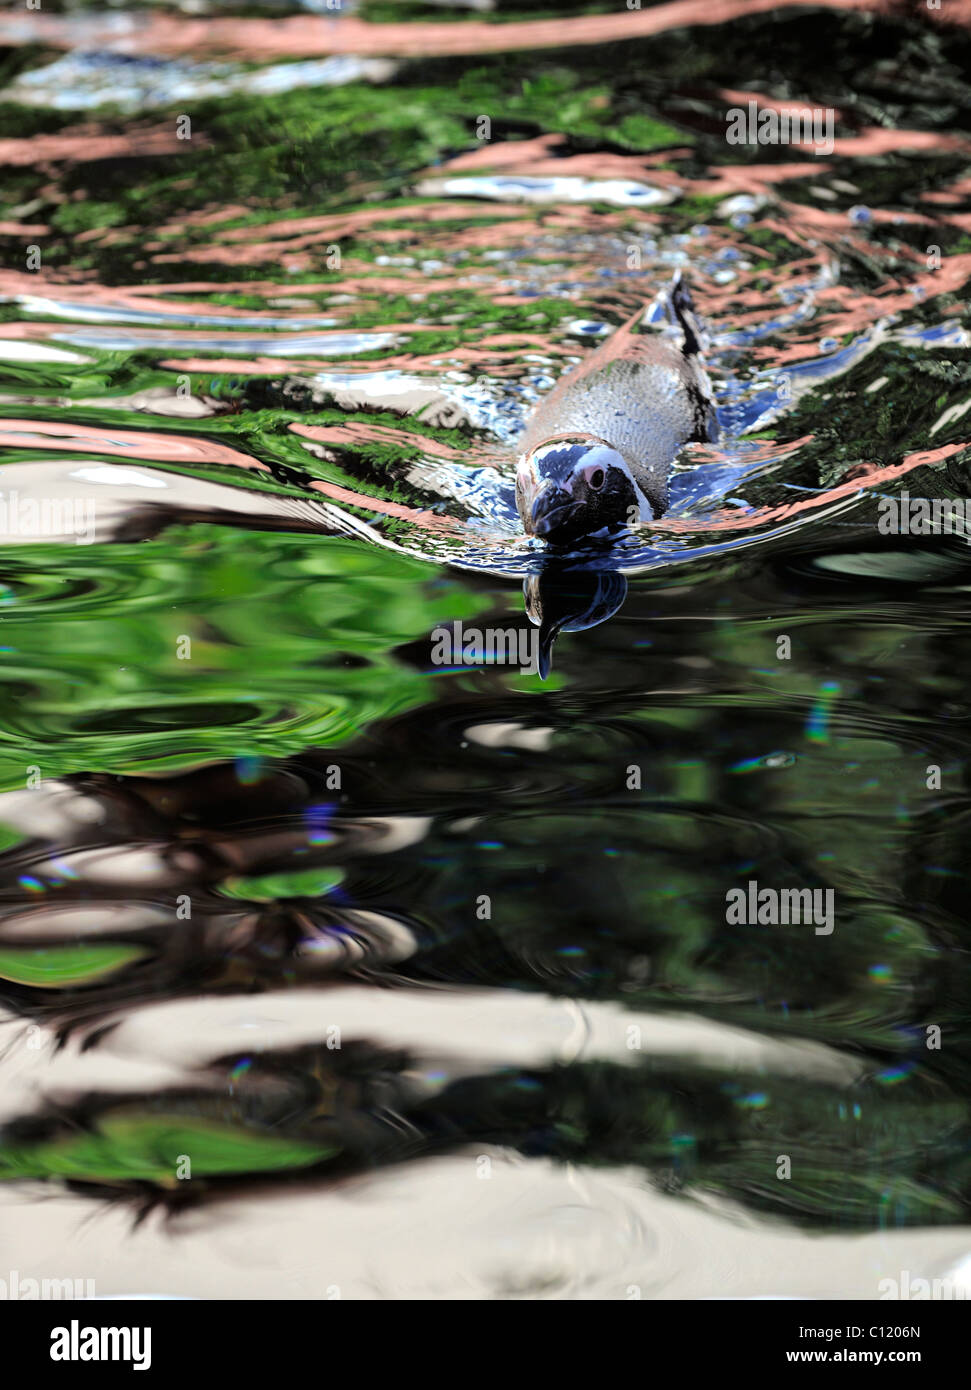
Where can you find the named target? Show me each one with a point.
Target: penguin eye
(597, 479)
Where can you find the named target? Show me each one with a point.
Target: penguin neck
(651, 498)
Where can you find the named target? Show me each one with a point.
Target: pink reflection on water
(317, 35)
(142, 444)
(865, 478)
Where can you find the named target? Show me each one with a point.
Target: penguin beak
(544, 506)
(551, 509)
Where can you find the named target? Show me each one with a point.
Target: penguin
(597, 451)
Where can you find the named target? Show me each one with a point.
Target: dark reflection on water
(564, 598)
(575, 844)
(303, 934)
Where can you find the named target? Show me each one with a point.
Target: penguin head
(572, 486)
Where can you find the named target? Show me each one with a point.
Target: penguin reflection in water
(569, 598)
(597, 452)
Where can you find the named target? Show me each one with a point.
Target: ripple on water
(279, 891)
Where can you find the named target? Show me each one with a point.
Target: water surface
(324, 967)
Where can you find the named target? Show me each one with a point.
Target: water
(346, 970)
